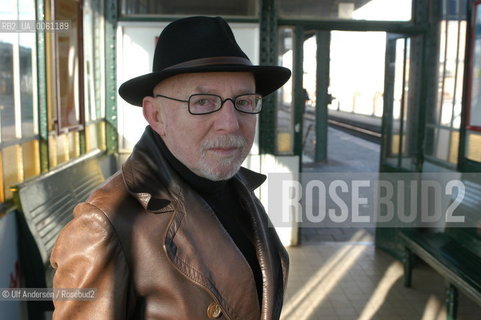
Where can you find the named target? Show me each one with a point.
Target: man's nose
(227, 117)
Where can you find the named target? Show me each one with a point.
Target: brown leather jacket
(153, 249)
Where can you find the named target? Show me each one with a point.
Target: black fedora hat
(200, 44)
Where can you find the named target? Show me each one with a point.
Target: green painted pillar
(299, 102)
(42, 91)
(323, 39)
(111, 132)
(268, 56)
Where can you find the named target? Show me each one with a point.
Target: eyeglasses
(208, 103)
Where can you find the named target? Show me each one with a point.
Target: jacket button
(214, 311)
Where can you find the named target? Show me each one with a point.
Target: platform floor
(338, 274)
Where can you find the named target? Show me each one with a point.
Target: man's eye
(203, 102)
(243, 102)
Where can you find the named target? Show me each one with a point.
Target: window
(285, 111)
(473, 103)
(444, 120)
(75, 62)
(190, 7)
(29, 109)
(94, 78)
(67, 71)
(19, 155)
(386, 10)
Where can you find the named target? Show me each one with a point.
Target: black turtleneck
(223, 200)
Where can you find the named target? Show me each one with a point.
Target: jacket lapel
(266, 248)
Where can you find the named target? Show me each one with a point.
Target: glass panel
(385, 10)
(406, 129)
(27, 79)
(309, 67)
(62, 149)
(68, 76)
(8, 11)
(12, 168)
(2, 186)
(101, 135)
(285, 111)
(454, 147)
(28, 84)
(356, 81)
(450, 68)
(473, 148)
(459, 75)
(7, 98)
(435, 116)
(398, 139)
(399, 121)
(446, 113)
(52, 151)
(475, 85)
(73, 144)
(309, 94)
(442, 144)
(31, 159)
(431, 133)
(395, 138)
(91, 137)
(399, 79)
(95, 136)
(190, 7)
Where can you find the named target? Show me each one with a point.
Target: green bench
(45, 204)
(454, 253)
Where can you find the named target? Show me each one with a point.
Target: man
(177, 233)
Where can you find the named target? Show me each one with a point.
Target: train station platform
(339, 274)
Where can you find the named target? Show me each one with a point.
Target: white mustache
(226, 141)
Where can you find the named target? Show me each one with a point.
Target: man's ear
(153, 114)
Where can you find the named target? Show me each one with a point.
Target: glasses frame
(233, 100)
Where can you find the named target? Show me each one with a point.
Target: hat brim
(268, 79)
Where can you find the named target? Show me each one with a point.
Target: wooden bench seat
(45, 204)
(454, 253)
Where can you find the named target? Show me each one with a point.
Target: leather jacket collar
(148, 175)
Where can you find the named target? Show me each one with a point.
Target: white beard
(226, 167)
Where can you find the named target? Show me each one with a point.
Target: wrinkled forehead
(208, 82)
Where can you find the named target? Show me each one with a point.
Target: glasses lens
(204, 103)
(250, 103)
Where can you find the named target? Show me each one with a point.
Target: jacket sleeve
(88, 254)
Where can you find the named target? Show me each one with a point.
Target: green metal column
(268, 56)
(42, 91)
(299, 101)
(111, 132)
(322, 96)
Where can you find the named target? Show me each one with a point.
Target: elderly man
(177, 233)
